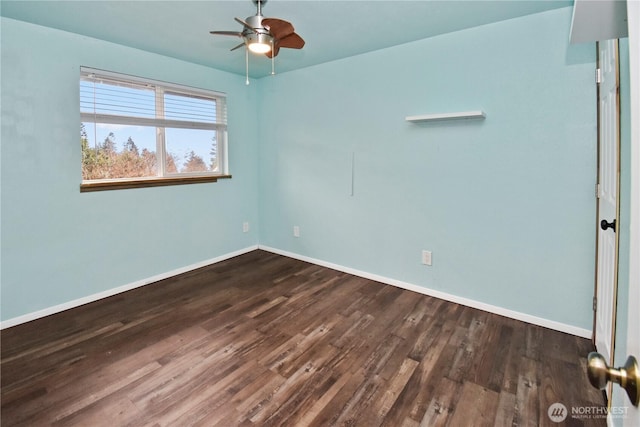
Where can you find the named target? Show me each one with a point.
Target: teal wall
(506, 204)
(59, 245)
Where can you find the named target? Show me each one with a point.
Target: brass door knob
(627, 376)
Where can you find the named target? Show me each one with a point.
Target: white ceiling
(331, 29)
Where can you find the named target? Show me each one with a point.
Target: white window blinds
(116, 99)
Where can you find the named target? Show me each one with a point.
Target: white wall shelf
(447, 116)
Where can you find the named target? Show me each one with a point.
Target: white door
(608, 182)
(633, 325)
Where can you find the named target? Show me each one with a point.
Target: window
(136, 132)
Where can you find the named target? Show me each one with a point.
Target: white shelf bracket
(465, 115)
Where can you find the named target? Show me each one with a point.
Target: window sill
(147, 182)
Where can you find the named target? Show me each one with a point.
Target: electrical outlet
(296, 231)
(245, 227)
(426, 257)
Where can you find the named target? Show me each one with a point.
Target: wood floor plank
(515, 352)
(360, 402)
(506, 409)
(209, 398)
(307, 417)
(528, 394)
(265, 340)
(465, 355)
(432, 368)
(384, 403)
(410, 322)
(105, 390)
(114, 410)
(476, 407)
(298, 404)
(441, 406)
(292, 392)
(496, 358)
(340, 401)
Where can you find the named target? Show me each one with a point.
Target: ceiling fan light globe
(259, 42)
(259, 47)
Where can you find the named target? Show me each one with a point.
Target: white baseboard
(551, 324)
(581, 332)
(110, 292)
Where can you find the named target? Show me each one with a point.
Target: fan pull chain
(273, 58)
(246, 63)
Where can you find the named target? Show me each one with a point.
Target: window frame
(160, 124)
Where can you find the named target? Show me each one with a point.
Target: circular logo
(557, 412)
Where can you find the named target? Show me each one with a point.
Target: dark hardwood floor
(264, 340)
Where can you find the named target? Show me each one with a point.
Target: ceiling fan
(262, 35)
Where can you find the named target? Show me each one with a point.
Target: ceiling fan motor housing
(257, 33)
(258, 37)
(255, 22)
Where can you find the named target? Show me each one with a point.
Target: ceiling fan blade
(238, 47)
(278, 28)
(245, 24)
(292, 41)
(226, 33)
